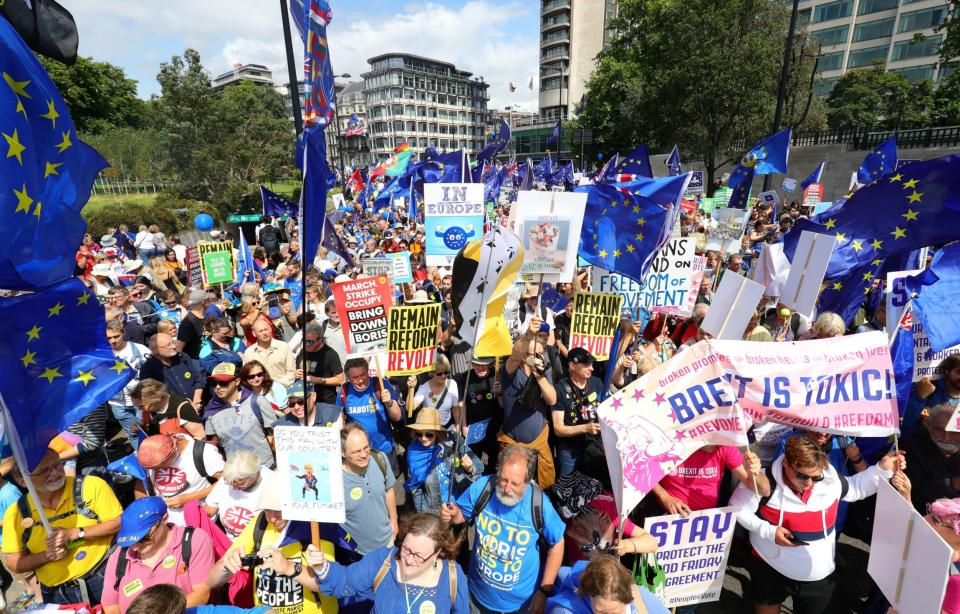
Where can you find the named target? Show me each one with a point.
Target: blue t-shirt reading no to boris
(505, 564)
(367, 409)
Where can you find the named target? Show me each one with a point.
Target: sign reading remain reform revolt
(595, 320)
(412, 339)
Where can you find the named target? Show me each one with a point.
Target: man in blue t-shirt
(506, 574)
(373, 407)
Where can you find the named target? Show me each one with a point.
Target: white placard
(898, 297)
(909, 560)
(809, 265)
(769, 197)
(549, 225)
(772, 268)
(732, 307)
(789, 185)
(667, 283)
(926, 362)
(310, 471)
(453, 215)
(338, 201)
(615, 283)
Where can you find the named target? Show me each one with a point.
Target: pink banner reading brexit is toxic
(654, 424)
(843, 385)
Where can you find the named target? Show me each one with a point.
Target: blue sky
(497, 39)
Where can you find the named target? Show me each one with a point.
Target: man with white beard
(85, 515)
(515, 526)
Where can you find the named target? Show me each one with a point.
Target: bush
(170, 213)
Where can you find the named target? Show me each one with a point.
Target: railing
(943, 136)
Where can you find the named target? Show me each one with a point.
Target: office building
(572, 33)
(856, 33)
(351, 100)
(258, 73)
(423, 102)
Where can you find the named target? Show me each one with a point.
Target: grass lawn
(99, 202)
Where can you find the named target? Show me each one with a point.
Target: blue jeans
(127, 416)
(569, 459)
(72, 592)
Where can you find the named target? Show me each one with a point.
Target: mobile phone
(250, 561)
(793, 539)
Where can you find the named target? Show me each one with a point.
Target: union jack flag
(319, 97)
(355, 127)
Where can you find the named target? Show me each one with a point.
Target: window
(831, 61)
(873, 6)
(918, 20)
(824, 86)
(803, 17)
(831, 36)
(865, 57)
(873, 29)
(946, 70)
(916, 73)
(908, 49)
(833, 10)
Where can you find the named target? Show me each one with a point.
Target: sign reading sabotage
(362, 306)
(412, 339)
(595, 320)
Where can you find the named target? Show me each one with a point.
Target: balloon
(600, 156)
(203, 222)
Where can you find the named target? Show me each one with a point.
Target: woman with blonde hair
(235, 496)
(162, 278)
(439, 392)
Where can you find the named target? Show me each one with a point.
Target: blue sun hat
(137, 520)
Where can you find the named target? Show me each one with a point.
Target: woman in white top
(439, 392)
(144, 243)
(159, 240)
(235, 496)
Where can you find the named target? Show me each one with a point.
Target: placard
(402, 269)
(311, 473)
(614, 283)
(216, 262)
(667, 283)
(696, 276)
(770, 197)
(362, 306)
(734, 303)
(789, 185)
(726, 230)
(453, 215)
(898, 297)
(772, 268)
(695, 186)
(338, 201)
(549, 225)
(926, 362)
(594, 322)
(810, 261)
(693, 552)
(194, 271)
(813, 195)
(378, 266)
(412, 335)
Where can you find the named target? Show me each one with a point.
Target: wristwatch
(297, 569)
(81, 534)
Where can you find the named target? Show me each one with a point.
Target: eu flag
(275, 205)
(915, 207)
(740, 182)
(879, 162)
(902, 356)
(497, 144)
(46, 173)
(766, 157)
(636, 163)
(334, 242)
(57, 365)
(814, 177)
(935, 302)
(526, 176)
(554, 139)
(312, 160)
(624, 225)
(673, 162)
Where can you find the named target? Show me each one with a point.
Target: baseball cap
(580, 356)
(154, 450)
(224, 372)
(296, 389)
(482, 360)
(137, 520)
(198, 296)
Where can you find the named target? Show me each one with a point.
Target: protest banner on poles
(693, 552)
(362, 306)
(841, 385)
(216, 262)
(453, 215)
(595, 320)
(549, 225)
(412, 335)
(614, 283)
(310, 472)
(655, 423)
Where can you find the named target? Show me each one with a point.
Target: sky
(496, 39)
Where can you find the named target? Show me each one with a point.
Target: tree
(876, 99)
(950, 29)
(945, 109)
(98, 94)
(698, 73)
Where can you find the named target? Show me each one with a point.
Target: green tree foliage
(699, 73)
(950, 29)
(133, 153)
(876, 99)
(946, 102)
(98, 94)
(170, 213)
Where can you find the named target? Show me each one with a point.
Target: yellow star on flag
(64, 144)
(909, 184)
(83, 298)
(19, 87)
(639, 236)
(34, 333)
(841, 237)
(36, 211)
(636, 209)
(23, 200)
(616, 253)
(910, 215)
(55, 310)
(86, 377)
(28, 359)
(867, 276)
(603, 253)
(877, 262)
(21, 109)
(857, 245)
(630, 248)
(837, 286)
(51, 169)
(876, 243)
(119, 366)
(915, 197)
(51, 374)
(831, 223)
(897, 177)
(51, 114)
(641, 221)
(899, 233)
(14, 148)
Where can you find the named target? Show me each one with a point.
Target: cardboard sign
(453, 215)
(898, 297)
(842, 385)
(402, 269)
(770, 197)
(721, 197)
(412, 334)
(338, 201)
(813, 195)
(772, 268)
(696, 276)
(726, 231)
(549, 225)
(194, 271)
(789, 185)
(655, 423)
(733, 305)
(311, 473)
(708, 205)
(693, 553)
(926, 362)
(615, 283)
(909, 560)
(695, 186)
(216, 262)
(667, 284)
(378, 266)
(362, 306)
(595, 321)
(809, 265)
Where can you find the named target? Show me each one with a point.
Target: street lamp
(559, 70)
(336, 119)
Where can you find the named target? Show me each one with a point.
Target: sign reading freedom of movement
(667, 284)
(412, 339)
(311, 473)
(453, 214)
(693, 552)
(362, 306)
(595, 320)
(605, 281)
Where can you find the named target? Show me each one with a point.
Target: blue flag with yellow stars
(554, 138)
(275, 205)
(673, 162)
(935, 302)
(740, 183)
(637, 163)
(813, 177)
(878, 162)
(499, 142)
(46, 173)
(57, 365)
(625, 224)
(915, 207)
(766, 157)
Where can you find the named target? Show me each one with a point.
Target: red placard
(362, 305)
(813, 195)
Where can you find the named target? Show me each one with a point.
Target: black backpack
(80, 507)
(536, 505)
(270, 238)
(186, 547)
(198, 448)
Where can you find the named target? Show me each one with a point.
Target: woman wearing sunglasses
(439, 392)
(432, 466)
(793, 531)
(255, 378)
(420, 574)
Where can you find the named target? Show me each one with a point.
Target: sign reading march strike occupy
(595, 320)
(693, 553)
(309, 464)
(453, 215)
(362, 306)
(412, 339)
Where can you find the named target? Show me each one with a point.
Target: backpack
(385, 569)
(198, 448)
(270, 238)
(186, 546)
(844, 487)
(536, 505)
(80, 507)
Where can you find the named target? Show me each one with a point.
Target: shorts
(770, 587)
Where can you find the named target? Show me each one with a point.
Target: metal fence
(106, 187)
(944, 136)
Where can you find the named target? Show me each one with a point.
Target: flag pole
(292, 88)
(21, 458)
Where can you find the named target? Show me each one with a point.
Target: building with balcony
(572, 33)
(351, 100)
(423, 102)
(258, 73)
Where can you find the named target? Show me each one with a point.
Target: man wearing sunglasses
(237, 418)
(793, 531)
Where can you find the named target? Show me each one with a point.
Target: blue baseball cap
(296, 389)
(137, 520)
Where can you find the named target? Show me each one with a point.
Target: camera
(250, 561)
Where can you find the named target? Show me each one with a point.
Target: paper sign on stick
(789, 184)
(629, 289)
(595, 321)
(732, 307)
(772, 268)
(725, 234)
(311, 473)
(362, 306)
(898, 297)
(926, 362)
(667, 284)
(549, 225)
(806, 271)
(909, 560)
(453, 215)
(412, 339)
(769, 197)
